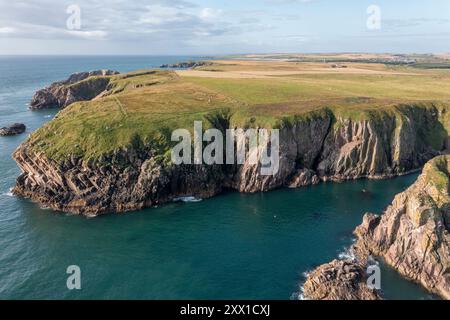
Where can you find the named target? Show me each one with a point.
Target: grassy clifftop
(146, 106)
(437, 172)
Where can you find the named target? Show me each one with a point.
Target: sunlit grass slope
(145, 106)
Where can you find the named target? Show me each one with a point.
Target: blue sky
(181, 27)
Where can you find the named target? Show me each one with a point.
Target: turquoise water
(233, 246)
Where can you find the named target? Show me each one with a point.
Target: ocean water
(233, 246)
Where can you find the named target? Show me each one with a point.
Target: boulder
(16, 128)
(339, 280)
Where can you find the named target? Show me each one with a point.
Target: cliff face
(127, 180)
(319, 147)
(413, 234)
(76, 88)
(326, 147)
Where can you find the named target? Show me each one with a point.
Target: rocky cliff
(321, 145)
(80, 86)
(412, 236)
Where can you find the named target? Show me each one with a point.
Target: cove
(233, 246)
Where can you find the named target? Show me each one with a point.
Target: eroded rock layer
(322, 146)
(413, 234)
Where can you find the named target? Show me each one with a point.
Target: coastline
(377, 177)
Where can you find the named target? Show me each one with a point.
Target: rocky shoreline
(412, 236)
(318, 148)
(313, 150)
(80, 86)
(186, 65)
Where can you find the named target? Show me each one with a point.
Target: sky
(207, 27)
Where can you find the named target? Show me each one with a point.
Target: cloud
(209, 13)
(289, 1)
(394, 24)
(160, 15)
(90, 35)
(153, 20)
(7, 30)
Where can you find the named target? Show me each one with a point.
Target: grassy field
(145, 106)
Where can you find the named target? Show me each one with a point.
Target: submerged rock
(76, 88)
(16, 128)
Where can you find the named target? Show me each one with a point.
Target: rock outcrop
(12, 130)
(186, 65)
(81, 86)
(127, 180)
(339, 280)
(319, 146)
(413, 234)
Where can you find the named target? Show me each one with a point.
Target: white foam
(347, 254)
(48, 116)
(300, 295)
(9, 193)
(187, 199)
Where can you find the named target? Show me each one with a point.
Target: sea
(233, 246)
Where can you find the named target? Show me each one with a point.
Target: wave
(300, 295)
(187, 199)
(348, 253)
(9, 193)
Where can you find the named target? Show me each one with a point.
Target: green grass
(437, 173)
(328, 86)
(146, 106)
